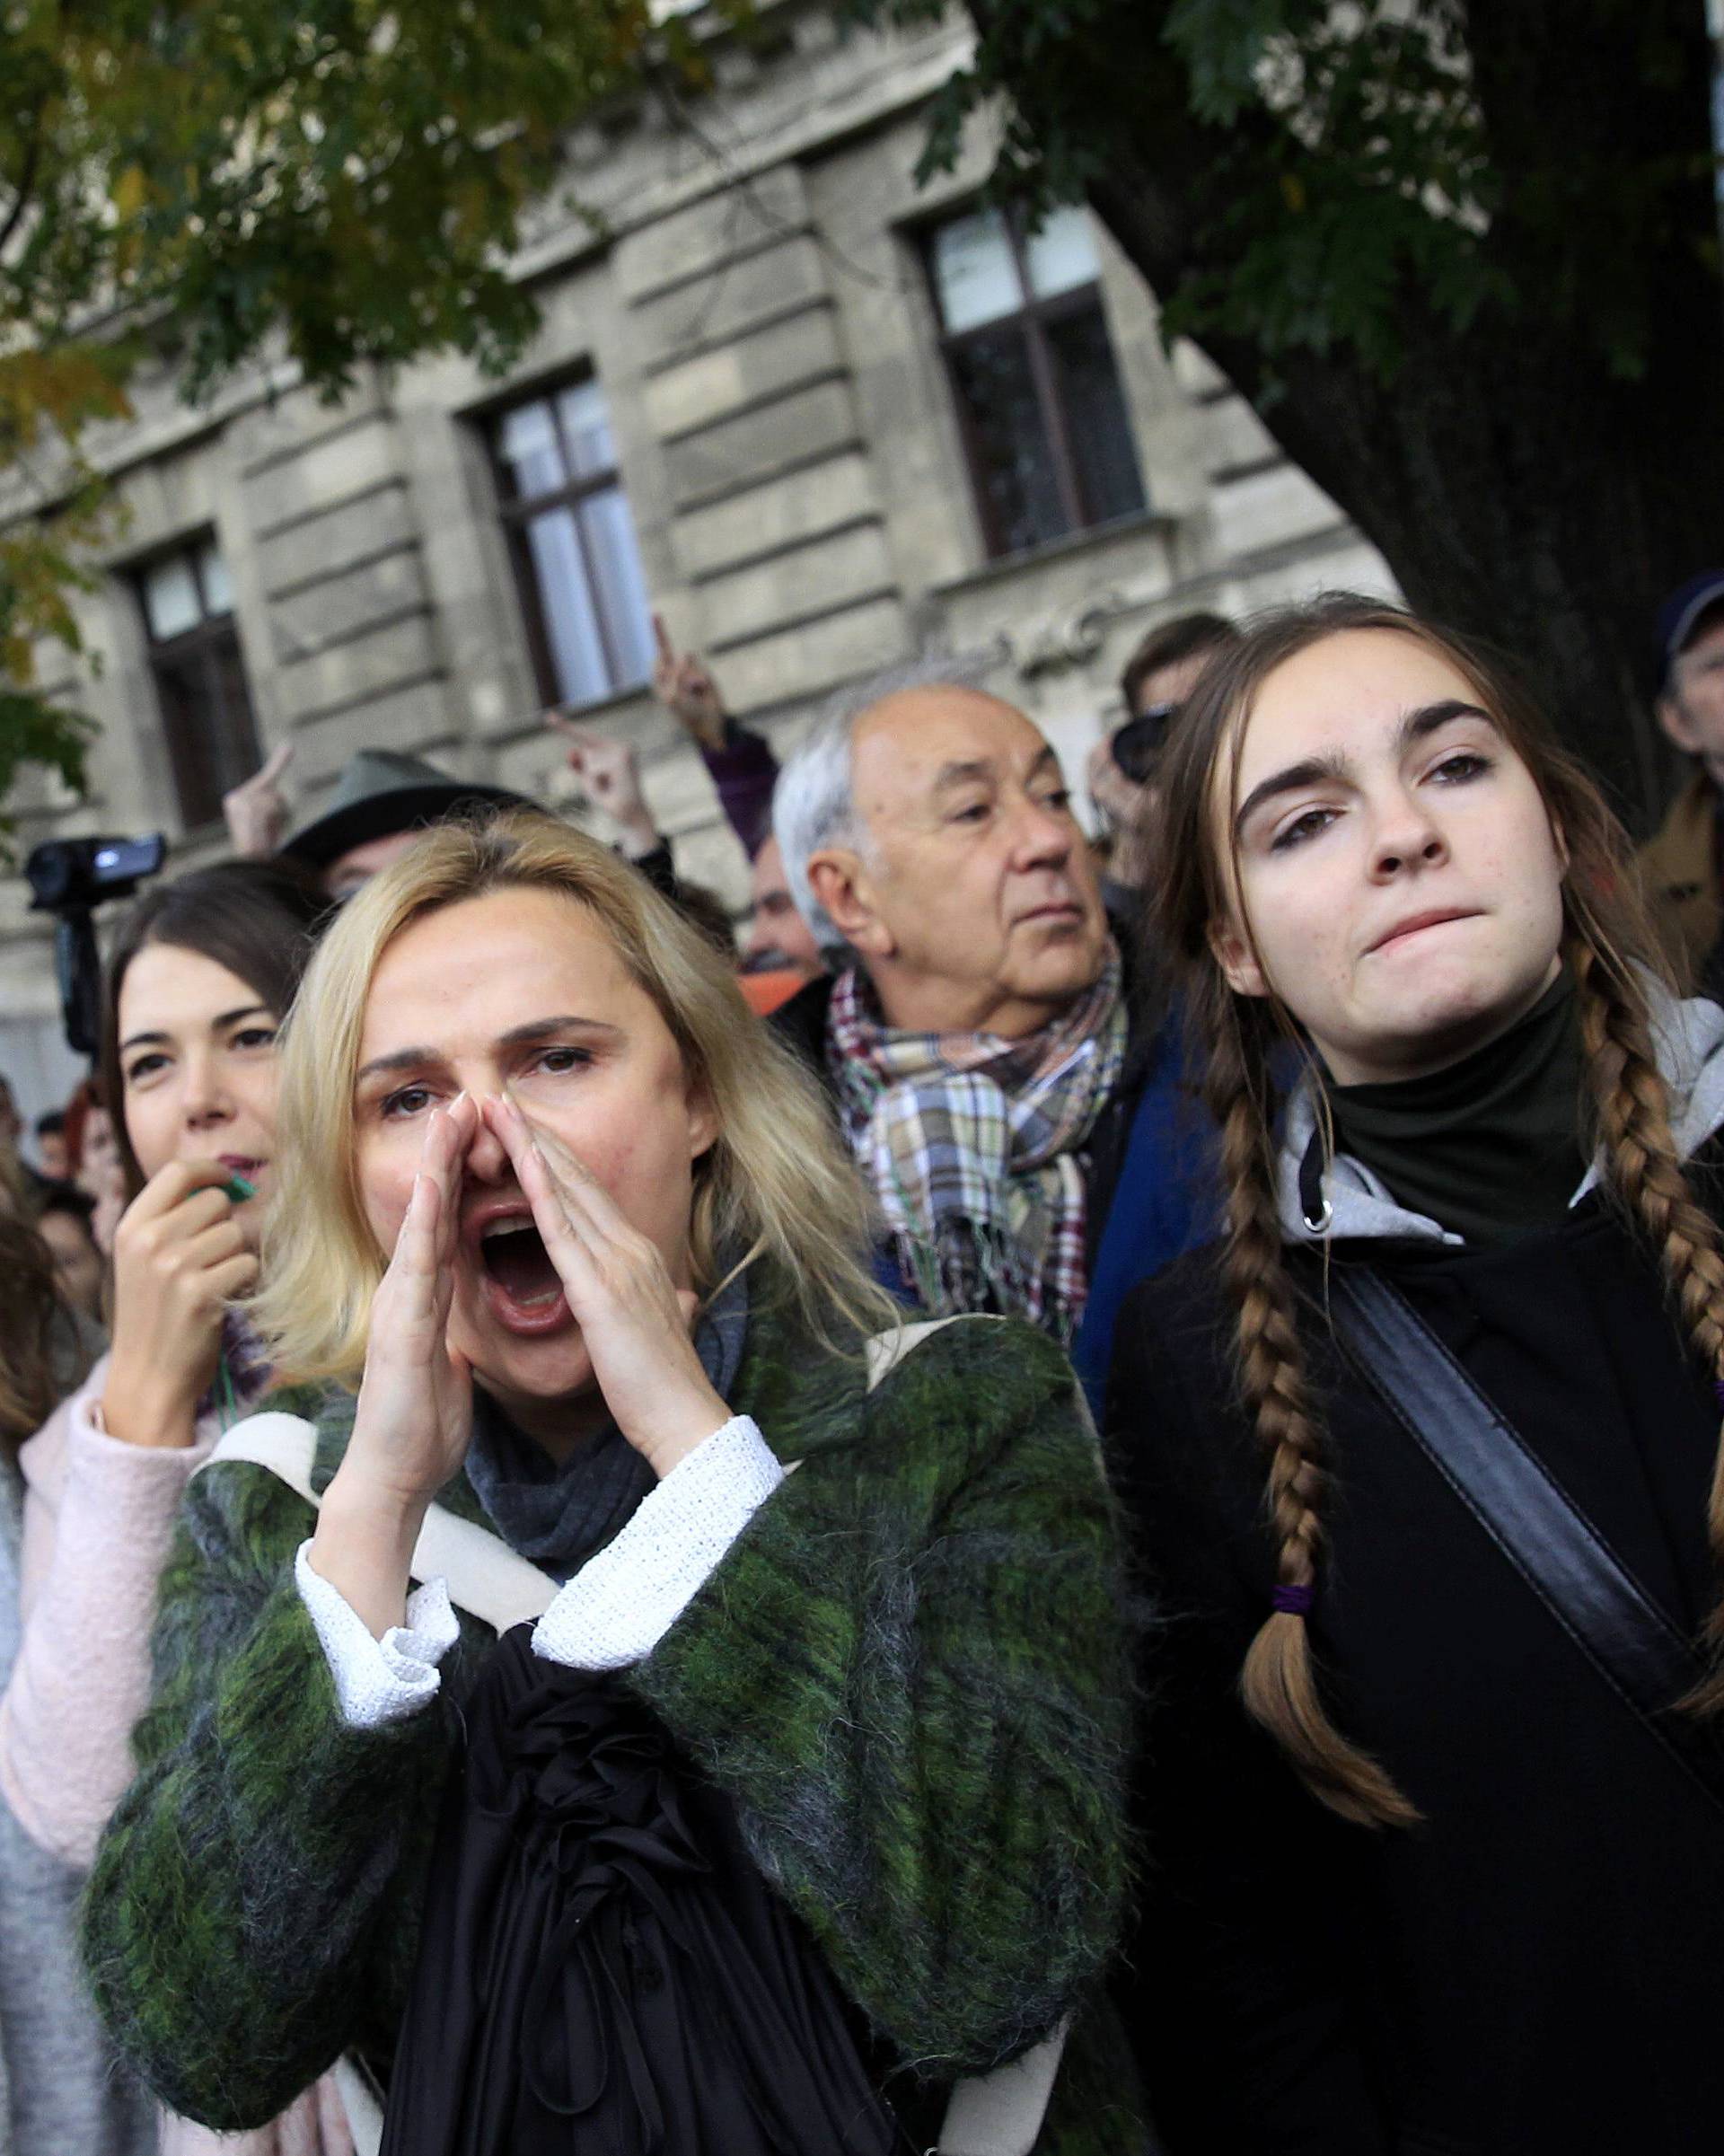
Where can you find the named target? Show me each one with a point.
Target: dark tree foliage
(1461, 260)
(344, 177)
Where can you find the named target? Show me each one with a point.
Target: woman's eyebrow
(543, 1029)
(517, 1036)
(398, 1058)
(1311, 771)
(1416, 724)
(216, 1025)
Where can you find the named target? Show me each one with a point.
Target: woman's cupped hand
(635, 1321)
(414, 1418)
(414, 1414)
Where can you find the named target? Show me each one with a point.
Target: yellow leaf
(129, 191)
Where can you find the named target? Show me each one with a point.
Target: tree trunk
(1519, 489)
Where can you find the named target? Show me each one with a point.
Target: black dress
(602, 1970)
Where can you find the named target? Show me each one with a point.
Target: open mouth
(521, 1287)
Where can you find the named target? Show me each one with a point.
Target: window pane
(236, 752)
(587, 429)
(171, 598)
(1009, 442)
(975, 278)
(183, 692)
(206, 722)
(609, 534)
(1062, 254)
(527, 444)
(218, 589)
(566, 608)
(1097, 424)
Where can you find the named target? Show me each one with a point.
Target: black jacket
(1539, 1966)
(802, 1023)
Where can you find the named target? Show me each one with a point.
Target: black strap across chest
(1646, 1660)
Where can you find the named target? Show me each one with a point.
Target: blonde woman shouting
(789, 1797)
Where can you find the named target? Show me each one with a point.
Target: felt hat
(381, 792)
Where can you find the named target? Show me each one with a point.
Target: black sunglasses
(1137, 743)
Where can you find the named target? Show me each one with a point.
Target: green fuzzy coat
(910, 1672)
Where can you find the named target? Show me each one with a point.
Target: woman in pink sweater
(202, 974)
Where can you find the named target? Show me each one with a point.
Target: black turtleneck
(1491, 1146)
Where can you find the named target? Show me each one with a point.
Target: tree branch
(26, 181)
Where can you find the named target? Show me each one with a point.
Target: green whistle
(238, 1189)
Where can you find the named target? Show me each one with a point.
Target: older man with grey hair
(974, 1032)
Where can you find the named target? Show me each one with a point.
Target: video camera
(70, 879)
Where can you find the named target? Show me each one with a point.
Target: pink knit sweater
(99, 1517)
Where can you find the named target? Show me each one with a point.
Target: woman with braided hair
(1420, 1881)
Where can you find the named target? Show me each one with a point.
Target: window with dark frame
(200, 687)
(1040, 403)
(572, 541)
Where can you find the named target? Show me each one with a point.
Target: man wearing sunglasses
(1160, 676)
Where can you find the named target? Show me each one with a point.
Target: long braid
(1279, 1682)
(1646, 1171)
(1612, 943)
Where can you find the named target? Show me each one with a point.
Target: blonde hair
(776, 1183)
(1611, 948)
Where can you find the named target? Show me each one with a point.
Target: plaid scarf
(972, 1145)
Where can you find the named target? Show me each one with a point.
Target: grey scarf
(559, 1516)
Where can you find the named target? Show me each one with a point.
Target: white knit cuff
(622, 1602)
(378, 1681)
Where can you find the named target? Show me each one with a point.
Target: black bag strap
(1644, 1658)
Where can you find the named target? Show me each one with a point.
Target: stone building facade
(780, 393)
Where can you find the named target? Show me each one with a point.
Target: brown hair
(1184, 637)
(32, 1321)
(259, 918)
(77, 1113)
(1609, 945)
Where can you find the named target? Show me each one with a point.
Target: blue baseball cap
(1680, 614)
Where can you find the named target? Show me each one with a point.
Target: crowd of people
(1067, 1497)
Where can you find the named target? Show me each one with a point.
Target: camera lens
(52, 871)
